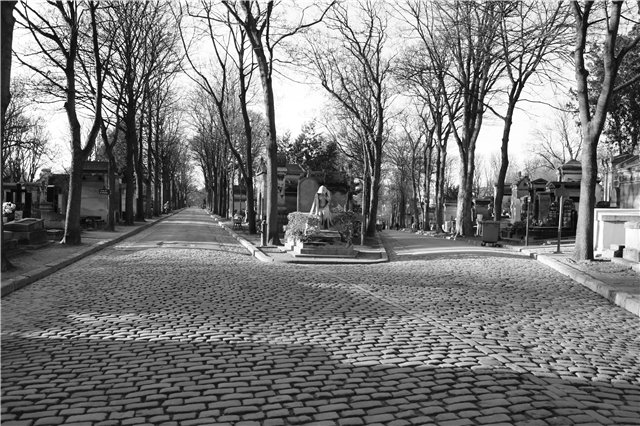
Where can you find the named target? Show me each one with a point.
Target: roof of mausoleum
(571, 165)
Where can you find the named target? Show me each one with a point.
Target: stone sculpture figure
(321, 206)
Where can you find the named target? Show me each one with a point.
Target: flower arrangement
(8, 208)
(8, 211)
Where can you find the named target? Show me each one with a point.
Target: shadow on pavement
(233, 376)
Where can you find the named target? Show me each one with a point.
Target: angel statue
(320, 206)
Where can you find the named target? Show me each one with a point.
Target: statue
(321, 206)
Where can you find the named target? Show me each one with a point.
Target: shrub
(344, 222)
(301, 226)
(518, 228)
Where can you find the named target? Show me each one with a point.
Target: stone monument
(323, 241)
(322, 206)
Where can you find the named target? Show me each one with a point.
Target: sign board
(104, 191)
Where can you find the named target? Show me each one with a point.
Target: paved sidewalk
(615, 279)
(33, 264)
(618, 282)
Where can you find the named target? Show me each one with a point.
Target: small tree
(312, 150)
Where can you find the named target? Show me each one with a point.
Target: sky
(298, 103)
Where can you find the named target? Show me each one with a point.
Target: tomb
(27, 231)
(327, 230)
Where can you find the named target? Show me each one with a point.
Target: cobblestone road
(205, 334)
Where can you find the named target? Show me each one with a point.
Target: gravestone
(567, 210)
(307, 188)
(544, 203)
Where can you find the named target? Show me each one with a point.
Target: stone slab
(631, 254)
(25, 225)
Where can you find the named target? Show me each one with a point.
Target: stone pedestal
(631, 241)
(28, 231)
(609, 227)
(323, 244)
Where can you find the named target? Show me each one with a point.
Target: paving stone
(195, 336)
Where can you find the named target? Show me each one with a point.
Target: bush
(518, 228)
(344, 222)
(301, 226)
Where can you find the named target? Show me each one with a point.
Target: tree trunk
(504, 164)
(157, 206)
(149, 195)
(166, 190)
(131, 140)
(428, 165)
(72, 229)
(464, 225)
(139, 168)
(113, 195)
(584, 230)
(8, 22)
(6, 43)
(592, 125)
(439, 191)
(273, 237)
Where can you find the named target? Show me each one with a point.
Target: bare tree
(558, 142)
(461, 39)
(264, 35)
(400, 162)
(418, 143)
(146, 56)
(24, 138)
(531, 33)
(593, 117)
(354, 68)
(58, 40)
(230, 90)
(421, 72)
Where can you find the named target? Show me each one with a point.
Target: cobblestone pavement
(184, 334)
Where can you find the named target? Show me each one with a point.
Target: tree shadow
(234, 378)
(179, 335)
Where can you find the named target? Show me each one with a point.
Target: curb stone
(255, 252)
(29, 277)
(619, 298)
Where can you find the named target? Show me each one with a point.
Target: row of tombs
(618, 195)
